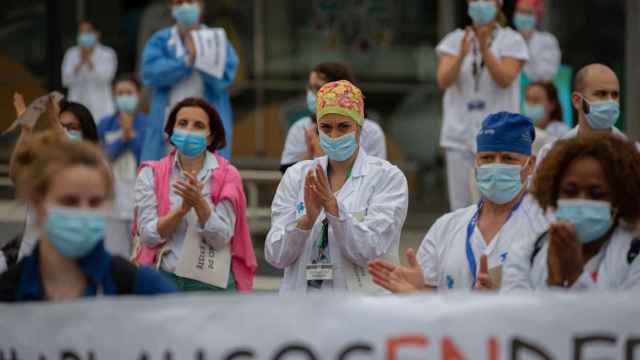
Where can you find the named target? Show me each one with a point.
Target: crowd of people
(124, 202)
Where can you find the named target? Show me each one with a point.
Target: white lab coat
(608, 270)
(442, 254)
(91, 87)
(545, 57)
(372, 210)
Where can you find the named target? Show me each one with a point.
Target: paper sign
(201, 262)
(211, 51)
(35, 110)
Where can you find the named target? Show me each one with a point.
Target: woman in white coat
(332, 215)
(591, 184)
(544, 51)
(479, 71)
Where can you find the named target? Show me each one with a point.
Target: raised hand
(465, 46)
(312, 204)
(322, 189)
(397, 278)
(565, 259)
(484, 281)
(312, 141)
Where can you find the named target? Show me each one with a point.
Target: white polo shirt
(460, 124)
(443, 256)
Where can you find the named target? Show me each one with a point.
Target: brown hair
(619, 159)
(552, 95)
(47, 154)
(335, 71)
(215, 122)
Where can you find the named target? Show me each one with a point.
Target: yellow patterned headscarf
(343, 98)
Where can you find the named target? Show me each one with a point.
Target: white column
(446, 17)
(631, 92)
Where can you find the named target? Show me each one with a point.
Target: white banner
(455, 326)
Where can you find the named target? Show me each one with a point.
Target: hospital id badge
(476, 105)
(319, 272)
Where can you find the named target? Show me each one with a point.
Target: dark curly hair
(215, 122)
(619, 159)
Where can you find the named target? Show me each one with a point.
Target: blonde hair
(47, 154)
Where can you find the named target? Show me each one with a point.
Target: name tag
(476, 105)
(319, 272)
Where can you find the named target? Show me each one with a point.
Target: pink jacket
(227, 181)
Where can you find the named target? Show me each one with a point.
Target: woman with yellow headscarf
(332, 215)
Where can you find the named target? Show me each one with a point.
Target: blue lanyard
(471, 259)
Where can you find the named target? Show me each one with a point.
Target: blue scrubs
(161, 70)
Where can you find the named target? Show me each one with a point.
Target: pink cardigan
(227, 181)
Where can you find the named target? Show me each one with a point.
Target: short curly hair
(619, 159)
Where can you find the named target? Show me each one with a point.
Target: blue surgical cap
(505, 131)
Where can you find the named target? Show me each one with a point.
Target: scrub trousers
(460, 178)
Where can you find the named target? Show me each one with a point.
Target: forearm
(502, 75)
(449, 71)
(167, 225)
(25, 133)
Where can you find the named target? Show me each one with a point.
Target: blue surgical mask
(482, 12)
(188, 143)
(127, 103)
(591, 218)
(187, 14)
(524, 22)
(87, 39)
(533, 112)
(74, 135)
(341, 148)
(311, 101)
(499, 183)
(602, 114)
(75, 232)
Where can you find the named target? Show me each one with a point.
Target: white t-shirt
(570, 135)
(461, 125)
(608, 270)
(372, 140)
(442, 254)
(545, 57)
(557, 129)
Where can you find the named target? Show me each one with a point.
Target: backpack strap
(542, 239)
(634, 250)
(124, 275)
(9, 283)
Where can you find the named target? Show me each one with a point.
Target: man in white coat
(88, 70)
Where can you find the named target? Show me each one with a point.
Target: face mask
(87, 39)
(75, 232)
(524, 22)
(592, 218)
(602, 114)
(189, 143)
(339, 149)
(499, 183)
(187, 14)
(482, 12)
(74, 135)
(533, 112)
(127, 103)
(311, 101)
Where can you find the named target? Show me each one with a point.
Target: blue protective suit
(162, 68)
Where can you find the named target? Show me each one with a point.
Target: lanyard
(471, 259)
(476, 69)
